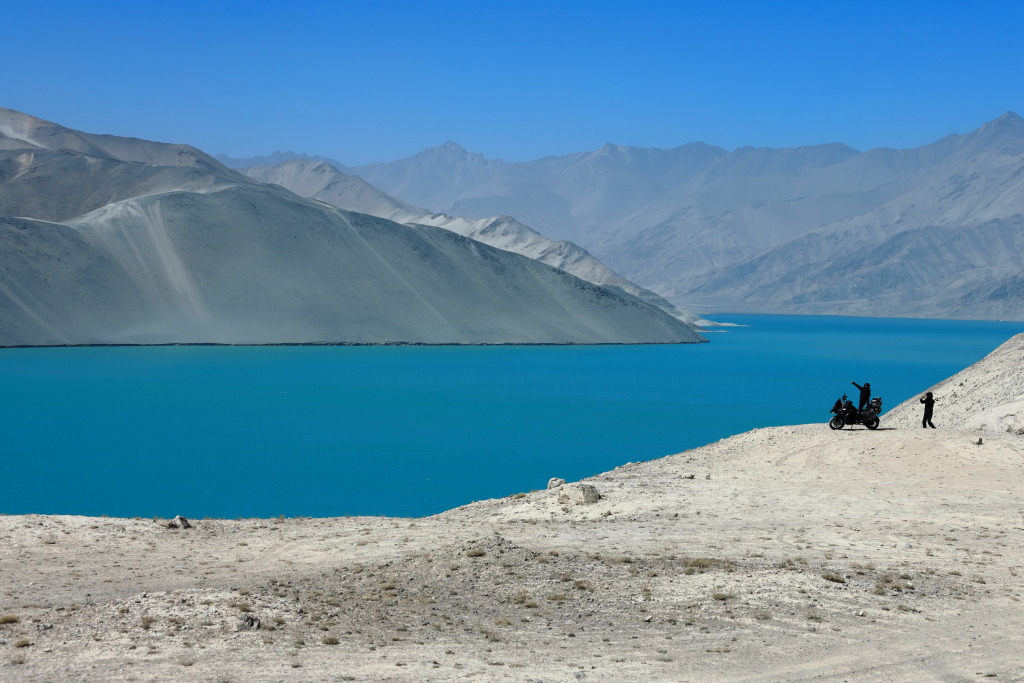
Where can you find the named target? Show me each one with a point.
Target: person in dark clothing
(929, 405)
(865, 394)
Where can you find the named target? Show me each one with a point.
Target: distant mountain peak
(450, 151)
(1008, 121)
(1004, 135)
(451, 146)
(275, 159)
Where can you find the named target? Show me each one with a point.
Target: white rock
(579, 494)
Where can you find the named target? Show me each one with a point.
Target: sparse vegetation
(699, 565)
(886, 583)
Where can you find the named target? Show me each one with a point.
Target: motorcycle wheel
(837, 423)
(871, 423)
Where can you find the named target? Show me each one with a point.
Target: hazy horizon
(373, 83)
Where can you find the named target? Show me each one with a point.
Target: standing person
(865, 394)
(929, 404)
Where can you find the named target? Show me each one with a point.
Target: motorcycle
(846, 414)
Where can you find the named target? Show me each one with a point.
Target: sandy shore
(788, 553)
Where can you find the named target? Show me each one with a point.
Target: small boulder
(555, 482)
(179, 522)
(579, 494)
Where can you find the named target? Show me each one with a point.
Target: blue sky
(375, 81)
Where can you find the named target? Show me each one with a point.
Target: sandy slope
(788, 553)
(987, 396)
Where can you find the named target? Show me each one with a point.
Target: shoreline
(772, 546)
(386, 343)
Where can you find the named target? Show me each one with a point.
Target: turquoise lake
(411, 431)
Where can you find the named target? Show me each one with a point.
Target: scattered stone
(579, 494)
(978, 442)
(248, 621)
(555, 482)
(689, 476)
(179, 522)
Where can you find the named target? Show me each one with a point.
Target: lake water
(411, 431)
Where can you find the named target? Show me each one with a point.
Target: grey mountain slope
(21, 131)
(701, 225)
(321, 181)
(436, 176)
(325, 182)
(194, 252)
(970, 272)
(59, 185)
(182, 267)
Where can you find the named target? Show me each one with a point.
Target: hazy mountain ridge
(181, 249)
(274, 159)
(728, 230)
(21, 131)
(321, 181)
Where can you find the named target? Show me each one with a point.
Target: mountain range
(322, 181)
(106, 240)
(934, 231)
